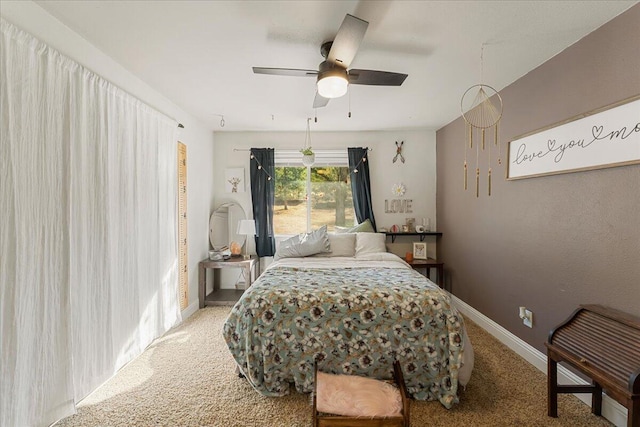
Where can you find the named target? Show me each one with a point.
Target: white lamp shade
(332, 86)
(247, 227)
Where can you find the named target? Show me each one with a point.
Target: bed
(349, 315)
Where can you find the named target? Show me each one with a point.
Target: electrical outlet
(528, 318)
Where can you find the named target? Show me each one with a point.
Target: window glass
(290, 208)
(330, 202)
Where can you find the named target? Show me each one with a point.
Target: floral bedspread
(348, 321)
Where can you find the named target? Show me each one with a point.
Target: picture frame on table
(419, 250)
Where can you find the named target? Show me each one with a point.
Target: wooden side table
(250, 268)
(427, 265)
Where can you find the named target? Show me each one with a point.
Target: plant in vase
(308, 156)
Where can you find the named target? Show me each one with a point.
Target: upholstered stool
(346, 400)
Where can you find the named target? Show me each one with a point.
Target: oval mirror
(223, 226)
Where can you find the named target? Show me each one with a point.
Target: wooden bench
(603, 344)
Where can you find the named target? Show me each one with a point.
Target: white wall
(418, 173)
(30, 17)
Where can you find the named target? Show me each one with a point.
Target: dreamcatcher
(481, 114)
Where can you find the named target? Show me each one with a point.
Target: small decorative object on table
(220, 253)
(405, 228)
(236, 248)
(411, 222)
(419, 250)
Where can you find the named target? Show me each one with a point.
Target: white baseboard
(192, 308)
(611, 410)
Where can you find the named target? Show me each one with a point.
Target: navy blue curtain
(263, 173)
(361, 184)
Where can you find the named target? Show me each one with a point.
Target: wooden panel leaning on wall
(182, 226)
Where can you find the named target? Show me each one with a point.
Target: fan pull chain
(349, 104)
(470, 137)
(483, 138)
(489, 180)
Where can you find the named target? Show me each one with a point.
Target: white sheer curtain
(88, 271)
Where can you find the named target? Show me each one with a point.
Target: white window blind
(337, 157)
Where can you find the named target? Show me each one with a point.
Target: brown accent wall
(548, 243)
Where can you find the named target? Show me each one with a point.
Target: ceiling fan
(333, 74)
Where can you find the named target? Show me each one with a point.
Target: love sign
(603, 138)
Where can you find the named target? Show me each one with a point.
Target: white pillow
(304, 244)
(370, 243)
(342, 244)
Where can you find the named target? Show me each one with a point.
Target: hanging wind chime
(481, 114)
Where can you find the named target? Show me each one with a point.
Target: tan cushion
(355, 396)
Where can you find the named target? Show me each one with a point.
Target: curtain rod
(249, 149)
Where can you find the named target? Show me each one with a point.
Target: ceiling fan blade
(347, 40)
(376, 78)
(285, 72)
(320, 101)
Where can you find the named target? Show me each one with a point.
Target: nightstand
(251, 271)
(427, 265)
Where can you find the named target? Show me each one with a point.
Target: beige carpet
(187, 378)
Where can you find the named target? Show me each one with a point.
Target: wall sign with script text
(604, 138)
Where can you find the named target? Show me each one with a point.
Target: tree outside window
(330, 202)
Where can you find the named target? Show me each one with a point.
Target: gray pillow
(341, 245)
(305, 244)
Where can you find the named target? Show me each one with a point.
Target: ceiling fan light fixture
(332, 78)
(333, 84)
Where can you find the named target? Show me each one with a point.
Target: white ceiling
(199, 54)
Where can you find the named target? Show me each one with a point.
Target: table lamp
(247, 227)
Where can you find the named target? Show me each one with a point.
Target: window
(308, 198)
